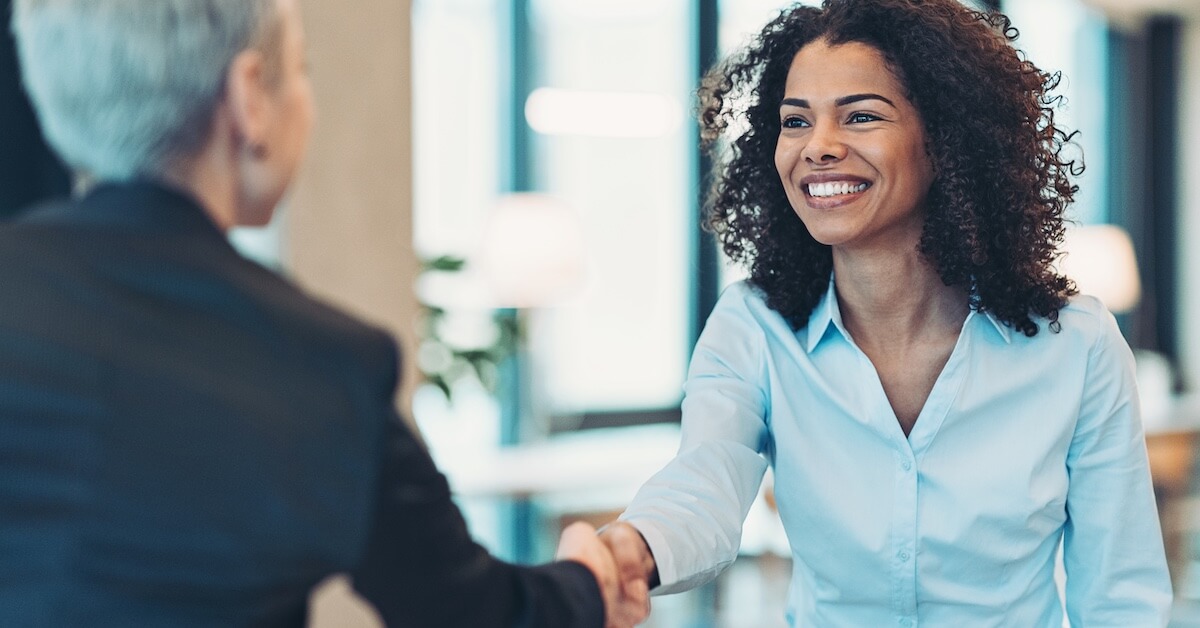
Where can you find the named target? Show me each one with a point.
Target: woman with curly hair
(941, 410)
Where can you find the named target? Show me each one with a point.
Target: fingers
(631, 606)
(579, 542)
(627, 613)
(625, 592)
(635, 565)
(636, 601)
(630, 552)
(574, 537)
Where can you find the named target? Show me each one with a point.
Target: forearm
(1112, 542)
(420, 566)
(690, 514)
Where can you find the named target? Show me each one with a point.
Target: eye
(794, 122)
(860, 117)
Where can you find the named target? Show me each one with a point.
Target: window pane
(1068, 36)
(456, 164)
(743, 19)
(613, 142)
(456, 122)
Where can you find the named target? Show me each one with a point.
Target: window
(1068, 36)
(457, 110)
(612, 138)
(589, 102)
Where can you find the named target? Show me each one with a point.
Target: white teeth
(835, 188)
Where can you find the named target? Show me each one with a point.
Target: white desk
(595, 471)
(612, 461)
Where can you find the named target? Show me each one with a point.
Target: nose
(824, 145)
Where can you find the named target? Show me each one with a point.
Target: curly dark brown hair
(1003, 167)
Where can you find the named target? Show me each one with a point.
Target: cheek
(311, 100)
(920, 173)
(785, 158)
(307, 107)
(921, 163)
(303, 118)
(928, 171)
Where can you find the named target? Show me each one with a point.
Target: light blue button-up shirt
(1022, 444)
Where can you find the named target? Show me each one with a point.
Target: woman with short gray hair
(170, 90)
(186, 439)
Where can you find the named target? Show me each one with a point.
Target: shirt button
(907, 465)
(902, 556)
(904, 621)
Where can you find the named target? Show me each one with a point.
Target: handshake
(622, 563)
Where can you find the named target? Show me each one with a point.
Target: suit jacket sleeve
(421, 567)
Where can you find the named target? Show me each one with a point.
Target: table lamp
(532, 251)
(1101, 260)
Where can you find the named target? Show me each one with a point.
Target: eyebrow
(841, 102)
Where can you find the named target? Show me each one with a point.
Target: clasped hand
(622, 564)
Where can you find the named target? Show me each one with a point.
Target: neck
(212, 175)
(212, 189)
(895, 296)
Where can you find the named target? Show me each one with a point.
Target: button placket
(904, 534)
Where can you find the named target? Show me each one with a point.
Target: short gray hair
(128, 88)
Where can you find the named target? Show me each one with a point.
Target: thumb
(573, 539)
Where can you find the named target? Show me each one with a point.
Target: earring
(258, 150)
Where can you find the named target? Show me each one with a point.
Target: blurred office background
(588, 104)
(513, 186)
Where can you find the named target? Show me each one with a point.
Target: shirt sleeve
(1112, 544)
(691, 512)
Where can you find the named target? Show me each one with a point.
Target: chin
(257, 222)
(256, 217)
(828, 237)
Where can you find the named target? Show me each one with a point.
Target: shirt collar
(1000, 328)
(828, 315)
(825, 316)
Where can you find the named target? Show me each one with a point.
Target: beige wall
(348, 228)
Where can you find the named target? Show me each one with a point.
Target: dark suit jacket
(188, 440)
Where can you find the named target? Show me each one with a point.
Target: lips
(835, 188)
(827, 190)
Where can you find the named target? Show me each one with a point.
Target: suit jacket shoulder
(201, 428)
(210, 442)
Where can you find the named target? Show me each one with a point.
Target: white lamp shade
(1100, 259)
(533, 251)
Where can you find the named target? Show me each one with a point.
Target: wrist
(652, 580)
(624, 533)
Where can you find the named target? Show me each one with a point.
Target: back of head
(127, 88)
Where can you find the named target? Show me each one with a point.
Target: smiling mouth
(835, 188)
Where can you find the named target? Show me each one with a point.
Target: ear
(247, 97)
